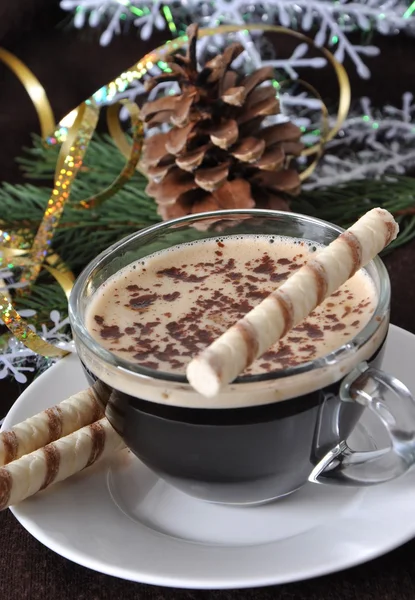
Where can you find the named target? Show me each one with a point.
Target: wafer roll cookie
(292, 302)
(51, 424)
(57, 461)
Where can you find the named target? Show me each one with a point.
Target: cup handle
(393, 404)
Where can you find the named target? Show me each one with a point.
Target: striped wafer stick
(57, 461)
(292, 302)
(51, 424)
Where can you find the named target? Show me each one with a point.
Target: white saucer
(155, 534)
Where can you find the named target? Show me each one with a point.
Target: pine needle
(82, 234)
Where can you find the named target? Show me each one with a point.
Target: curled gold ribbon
(85, 122)
(325, 130)
(70, 159)
(17, 257)
(69, 162)
(70, 138)
(133, 152)
(22, 331)
(65, 279)
(34, 89)
(11, 257)
(74, 152)
(11, 318)
(116, 131)
(61, 273)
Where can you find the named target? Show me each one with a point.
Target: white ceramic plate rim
(386, 520)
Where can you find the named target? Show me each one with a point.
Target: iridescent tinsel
(16, 359)
(61, 191)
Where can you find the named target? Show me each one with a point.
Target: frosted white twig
(371, 143)
(16, 359)
(249, 61)
(145, 15)
(330, 21)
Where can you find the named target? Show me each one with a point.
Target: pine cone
(217, 154)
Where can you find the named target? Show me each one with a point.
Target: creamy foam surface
(161, 311)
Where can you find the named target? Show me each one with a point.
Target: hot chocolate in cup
(143, 308)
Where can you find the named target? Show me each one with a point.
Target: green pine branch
(343, 205)
(44, 297)
(82, 234)
(103, 161)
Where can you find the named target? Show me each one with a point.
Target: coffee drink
(161, 311)
(144, 309)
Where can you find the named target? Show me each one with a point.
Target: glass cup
(265, 435)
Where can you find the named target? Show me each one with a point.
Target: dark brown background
(71, 65)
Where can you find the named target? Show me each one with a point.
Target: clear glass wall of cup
(294, 424)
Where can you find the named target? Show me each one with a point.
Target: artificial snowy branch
(330, 21)
(16, 359)
(371, 143)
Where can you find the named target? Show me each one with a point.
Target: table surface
(71, 65)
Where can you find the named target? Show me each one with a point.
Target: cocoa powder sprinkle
(141, 302)
(110, 332)
(207, 292)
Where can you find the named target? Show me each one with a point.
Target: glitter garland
(83, 129)
(24, 333)
(79, 127)
(88, 118)
(16, 359)
(133, 153)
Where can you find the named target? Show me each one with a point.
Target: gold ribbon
(324, 131)
(34, 89)
(70, 138)
(17, 257)
(133, 152)
(73, 151)
(11, 318)
(84, 125)
(21, 330)
(61, 273)
(69, 162)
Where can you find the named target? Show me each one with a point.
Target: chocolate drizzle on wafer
(250, 338)
(54, 415)
(286, 307)
(98, 399)
(52, 460)
(6, 485)
(57, 461)
(320, 277)
(355, 249)
(97, 433)
(11, 445)
(390, 232)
